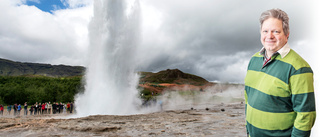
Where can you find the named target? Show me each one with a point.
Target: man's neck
(269, 53)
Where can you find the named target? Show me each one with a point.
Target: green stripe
(279, 70)
(257, 65)
(305, 120)
(267, 84)
(268, 103)
(304, 102)
(270, 121)
(302, 83)
(299, 133)
(302, 70)
(257, 132)
(295, 60)
(276, 68)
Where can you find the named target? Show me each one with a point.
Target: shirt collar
(283, 51)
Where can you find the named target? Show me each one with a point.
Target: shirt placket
(268, 60)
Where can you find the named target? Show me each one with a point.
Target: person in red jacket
(1, 110)
(43, 107)
(68, 107)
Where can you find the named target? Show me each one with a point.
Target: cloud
(76, 3)
(213, 39)
(31, 35)
(35, 1)
(210, 38)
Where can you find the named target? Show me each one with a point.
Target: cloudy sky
(210, 38)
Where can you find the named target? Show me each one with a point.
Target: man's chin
(269, 47)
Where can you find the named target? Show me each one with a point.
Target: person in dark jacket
(25, 108)
(54, 108)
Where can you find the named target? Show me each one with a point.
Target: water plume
(110, 80)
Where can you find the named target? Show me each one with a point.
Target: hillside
(11, 68)
(172, 76)
(171, 80)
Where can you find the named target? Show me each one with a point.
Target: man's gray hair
(278, 14)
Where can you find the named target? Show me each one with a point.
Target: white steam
(188, 98)
(110, 78)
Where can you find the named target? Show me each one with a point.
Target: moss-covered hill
(174, 76)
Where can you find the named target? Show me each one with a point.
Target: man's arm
(303, 101)
(246, 102)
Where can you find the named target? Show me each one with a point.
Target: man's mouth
(270, 41)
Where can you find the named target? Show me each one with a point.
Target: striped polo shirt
(279, 96)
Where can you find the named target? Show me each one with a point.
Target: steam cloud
(111, 79)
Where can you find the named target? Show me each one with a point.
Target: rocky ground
(218, 120)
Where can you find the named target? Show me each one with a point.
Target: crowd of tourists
(38, 108)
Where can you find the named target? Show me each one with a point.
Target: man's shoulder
(295, 60)
(257, 54)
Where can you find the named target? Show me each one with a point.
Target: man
(279, 89)
(9, 109)
(36, 108)
(71, 107)
(25, 108)
(19, 109)
(49, 107)
(54, 108)
(15, 108)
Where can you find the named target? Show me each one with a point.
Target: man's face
(272, 35)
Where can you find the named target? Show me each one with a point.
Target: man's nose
(270, 35)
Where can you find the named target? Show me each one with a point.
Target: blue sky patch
(47, 5)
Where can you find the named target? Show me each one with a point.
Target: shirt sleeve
(303, 101)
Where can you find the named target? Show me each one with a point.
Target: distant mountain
(174, 76)
(12, 68)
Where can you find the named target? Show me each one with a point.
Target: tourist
(71, 107)
(64, 108)
(1, 110)
(49, 107)
(39, 108)
(54, 108)
(9, 109)
(19, 109)
(68, 107)
(46, 107)
(279, 84)
(31, 109)
(60, 107)
(15, 109)
(25, 108)
(43, 106)
(35, 108)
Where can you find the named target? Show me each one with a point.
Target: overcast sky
(210, 38)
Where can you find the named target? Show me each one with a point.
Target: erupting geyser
(111, 80)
